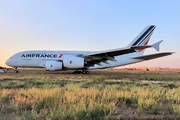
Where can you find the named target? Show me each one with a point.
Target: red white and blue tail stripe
(143, 38)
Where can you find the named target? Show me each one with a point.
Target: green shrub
(21, 107)
(82, 115)
(40, 105)
(98, 79)
(127, 101)
(97, 113)
(153, 109)
(36, 72)
(38, 82)
(171, 86)
(100, 87)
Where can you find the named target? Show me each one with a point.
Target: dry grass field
(36, 94)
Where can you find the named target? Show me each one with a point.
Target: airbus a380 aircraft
(81, 61)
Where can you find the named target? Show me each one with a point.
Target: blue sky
(88, 25)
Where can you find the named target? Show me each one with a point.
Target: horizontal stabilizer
(156, 45)
(153, 56)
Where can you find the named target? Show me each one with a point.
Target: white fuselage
(38, 59)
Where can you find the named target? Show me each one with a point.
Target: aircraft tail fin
(143, 38)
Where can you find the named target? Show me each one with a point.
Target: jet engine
(73, 62)
(53, 65)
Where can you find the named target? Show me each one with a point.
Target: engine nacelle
(73, 62)
(53, 65)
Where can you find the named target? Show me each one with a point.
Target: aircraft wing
(103, 56)
(153, 56)
(116, 52)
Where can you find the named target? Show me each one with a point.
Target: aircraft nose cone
(7, 62)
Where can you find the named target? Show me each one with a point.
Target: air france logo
(41, 55)
(60, 55)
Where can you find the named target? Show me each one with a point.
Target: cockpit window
(10, 57)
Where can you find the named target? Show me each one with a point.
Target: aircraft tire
(16, 71)
(87, 72)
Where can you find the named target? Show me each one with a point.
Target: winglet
(156, 45)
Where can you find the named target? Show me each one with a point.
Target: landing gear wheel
(16, 71)
(85, 72)
(77, 72)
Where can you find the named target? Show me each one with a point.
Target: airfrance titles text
(39, 55)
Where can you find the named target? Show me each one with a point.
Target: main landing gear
(85, 72)
(79, 72)
(16, 70)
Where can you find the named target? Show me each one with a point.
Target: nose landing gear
(16, 70)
